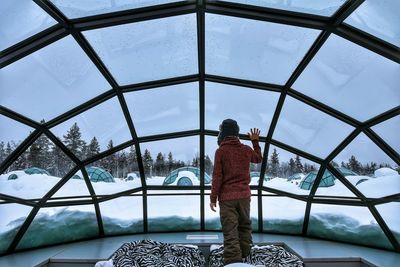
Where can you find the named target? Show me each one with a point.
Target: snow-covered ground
(124, 214)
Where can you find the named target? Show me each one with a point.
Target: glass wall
(173, 213)
(36, 171)
(172, 162)
(283, 214)
(122, 215)
(12, 218)
(346, 223)
(59, 225)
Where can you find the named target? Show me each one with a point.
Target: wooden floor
(311, 250)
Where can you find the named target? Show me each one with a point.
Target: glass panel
(148, 50)
(12, 218)
(239, 105)
(61, 76)
(374, 170)
(389, 213)
(78, 8)
(286, 171)
(322, 8)
(36, 171)
(172, 162)
(330, 185)
(176, 213)
(351, 79)
(212, 219)
(378, 17)
(283, 215)
(75, 186)
(309, 129)
(94, 130)
(254, 50)
(59, 225)
(122, 215)
(210, 148)
(389, 130)
(115, 173)
(348, 224)
(165, 109)
(20, 20)
(12, 133)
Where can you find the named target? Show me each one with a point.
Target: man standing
(230, 185)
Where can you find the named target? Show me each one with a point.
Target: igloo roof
(142, 86)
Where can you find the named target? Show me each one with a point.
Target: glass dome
(119, 105)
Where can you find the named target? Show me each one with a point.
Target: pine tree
(9, 149)
(298, 166)
(274, 161)
(109, 163)
(2, 152)
(159, 165)
(147, 163)
(292, 167)
(354, 164)
(132, 159)
(122, 164)
(60, 162)
(73, 140)
(93, 148)
(208, 165)
(38, 153)
(196, 161)
(170, 163)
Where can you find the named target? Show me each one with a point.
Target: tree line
(44, 154)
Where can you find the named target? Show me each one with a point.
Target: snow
(385, 172)
(125, 210)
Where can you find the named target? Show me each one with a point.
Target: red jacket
(231, 176)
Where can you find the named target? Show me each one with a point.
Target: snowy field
(124, 215)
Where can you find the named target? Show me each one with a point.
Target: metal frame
(327, 25)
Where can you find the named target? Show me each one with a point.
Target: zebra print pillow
(272, 256)
(145, 253)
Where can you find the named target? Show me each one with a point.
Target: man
(230, 185)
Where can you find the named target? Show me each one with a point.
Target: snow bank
(385, 172)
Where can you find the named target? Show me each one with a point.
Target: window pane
(12, 218)
(389, 213)
(95, 130)
(378, 17)
(351, 79)
(12, 133)
(20, 20)
(210, 148)
(176, 213)
(309, 129)
(78, 8)
(172, 162)
(366, 159)
(348, 224)
(165, 109)
(389, 130)
(50, 81)
(75, 186)
(254, 50)
(212, 219)
(149, 50)
(122, 215)
(322, 8)
(330, 185)
(251, 108)
(36, 171)
(286, 171)
(115, 173)
(283, 215)
(60, 225)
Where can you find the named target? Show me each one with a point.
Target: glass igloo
(134, 91)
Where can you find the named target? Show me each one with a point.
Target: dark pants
(236, 226)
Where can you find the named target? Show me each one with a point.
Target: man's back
(231, 175)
